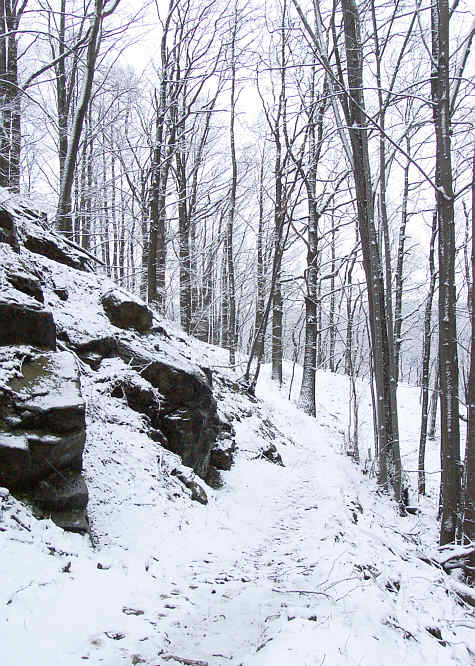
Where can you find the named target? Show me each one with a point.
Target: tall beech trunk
(279, 128)
(398, 277)
(64, 220)
(469, 486)
(387, 283)
(279, 213)
(10, 99)
(388, 442)
(114, 219)
(231, 291)
(425, 374)
(321, 352)
(105, 239)
(88, 222)
(307, 389)
(82, 193)
(160, 167)
(350, 313)
(62, 93)
(434, 401)
(157, 244)
(183, 225)
(332, 315)
(277, 332)
(277, 314)
(315, 141)
(261, 268)
(448, 356)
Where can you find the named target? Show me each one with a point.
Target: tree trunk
(261, 269)
(183, 229)
(399, 279)
(332, 322)
(64, 212)
(448, 358)
(469, 486)
(425, 374)
(161, 160)
(307, 390)
(277, 330)
(61, 93)
(231, 292)
(10, 99)
(390, 462)
(434, 401)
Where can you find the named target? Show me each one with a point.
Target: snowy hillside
(296, 559)
(303, 564)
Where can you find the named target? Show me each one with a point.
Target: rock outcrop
(43, 423)
(55, 317)
(64, 496)
(198, 493)
(222, 453)
(24, 321)
(127, 311)
(41, 242)
(8, 230)
(27, 283)
(187, 409)
(42, 411)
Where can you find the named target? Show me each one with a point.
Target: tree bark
(398, 277)
(469, 486)
(64, 211)
(10, 99)
(231, 290)
(448, 357)
(390, 462)
(425, 374)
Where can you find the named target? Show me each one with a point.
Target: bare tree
(231, 333)
(10, 94)
(102, 9)
(390, 461)
(448, 358)
(469, 485)
(426, 349)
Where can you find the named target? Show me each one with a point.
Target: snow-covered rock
(53, 247)
(8, 230)
(43, 429)
(48, 297)
(25, 321)
(126, 310)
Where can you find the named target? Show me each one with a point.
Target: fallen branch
(323, 594)
(20, 589)
(456, 557)
(182, 660)
(21, 523)
(465, 592)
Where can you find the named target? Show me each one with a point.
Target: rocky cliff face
(61, 324)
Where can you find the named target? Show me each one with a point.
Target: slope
(302, 564)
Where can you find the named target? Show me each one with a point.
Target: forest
(290, 180)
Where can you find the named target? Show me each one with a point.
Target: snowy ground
(298, 565)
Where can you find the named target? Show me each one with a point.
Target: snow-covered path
(303, 569)
(298, 565)
(242, 585)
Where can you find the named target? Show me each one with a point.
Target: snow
(54, 377)
(295, 565)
